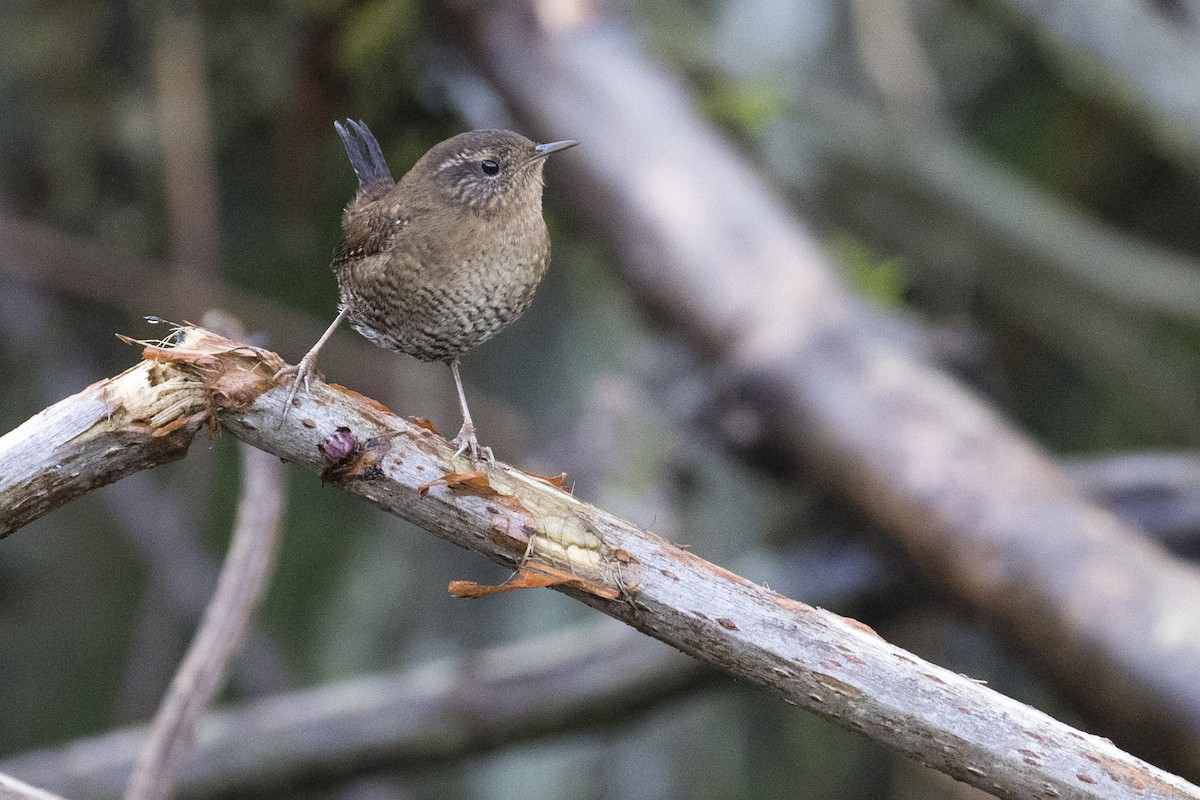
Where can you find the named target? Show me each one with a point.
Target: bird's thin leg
(308, 365)
(465, 440)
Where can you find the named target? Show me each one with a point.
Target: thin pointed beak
(544, 150)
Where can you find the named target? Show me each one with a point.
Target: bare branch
(815, 659)
(597, 674)
(570, 680)
(240, 587)
(892, 56)
(139, 419)
(975, 502)
(1127, 53)
(189, 169)
(1115, 264)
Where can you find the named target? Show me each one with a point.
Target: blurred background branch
(240, 587)
(1012, 181)
(13, 789)
(1128, 54)
(969, 498)
(570, 682)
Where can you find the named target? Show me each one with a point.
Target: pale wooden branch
(977, 504)
(241, 585)
(142, 418)
(13, 789)
(570, 680)
(815, 659)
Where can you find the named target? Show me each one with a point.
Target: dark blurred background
(1038, 232)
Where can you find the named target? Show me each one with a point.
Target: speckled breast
(437, 320)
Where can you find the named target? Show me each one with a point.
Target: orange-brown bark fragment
(862, 626)
(179, 422)
(231, 385)
(371, 401)
(421, 422)
(524, 580)
(558, 481)
(534, 576)
(474, 483)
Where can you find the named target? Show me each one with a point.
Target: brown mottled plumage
(444, 259)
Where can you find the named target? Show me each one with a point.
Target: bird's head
(486, 170)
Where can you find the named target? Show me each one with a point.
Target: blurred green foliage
(881, 279)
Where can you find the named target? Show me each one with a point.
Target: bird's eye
(489, 167)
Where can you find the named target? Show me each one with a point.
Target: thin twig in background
(183, 575)
(241, 585)
(189, 169)
(570, 681)
(886, 38)
(1130, 54)
(1031, 249)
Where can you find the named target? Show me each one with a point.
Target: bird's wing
(368, 235)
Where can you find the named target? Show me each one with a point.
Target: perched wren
(444, 259)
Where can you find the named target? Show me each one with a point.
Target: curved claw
(308, 365)
(467, 444)
(303, 372)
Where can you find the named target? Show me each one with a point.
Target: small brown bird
(444, 259)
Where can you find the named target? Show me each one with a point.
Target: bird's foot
(302, 372)
(465, 442)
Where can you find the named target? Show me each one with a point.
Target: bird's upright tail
(364, 153)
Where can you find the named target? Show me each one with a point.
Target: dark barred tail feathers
(365, 155)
